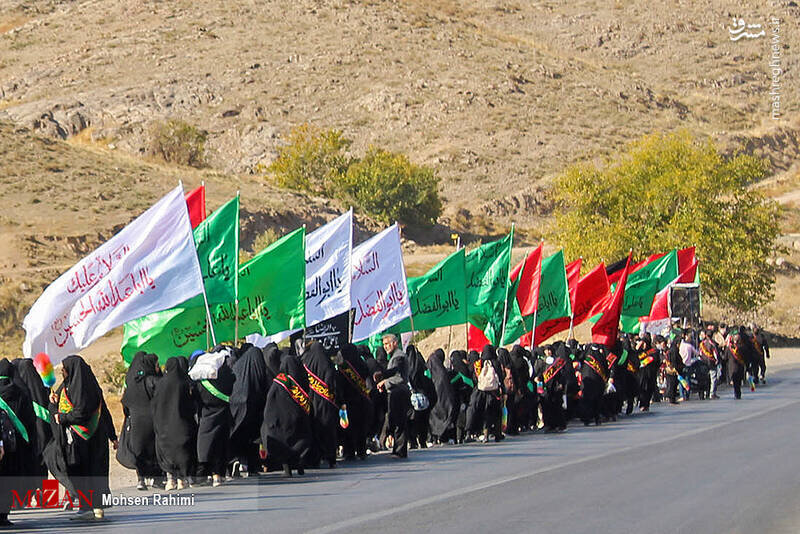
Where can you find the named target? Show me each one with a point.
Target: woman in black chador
(20, 458)
(286, 432)
(594, 373)
(139, 438)
(325, 407)
(248, 398)
(419, 422)
(445, 411)
(353, 391)
(214, 425)
(463, 383)
(486, 404)
(78, 455)
(27, 379)
(174, 423)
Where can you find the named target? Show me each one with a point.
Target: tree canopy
(674, 190)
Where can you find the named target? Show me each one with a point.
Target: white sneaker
(217, 481)
(243, 472)
(182, 484)
(170, 485)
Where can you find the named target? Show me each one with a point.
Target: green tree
(311, 160)
(674, 190)
(389, 187)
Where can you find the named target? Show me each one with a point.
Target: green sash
(14, 419)
(41, 412)
(214, 391)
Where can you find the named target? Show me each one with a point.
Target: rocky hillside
(497, 95)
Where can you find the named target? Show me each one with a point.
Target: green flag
(272, 292)
(182, 330)
(554, 301)
(487, 280)
(642, 286)
(439, 297)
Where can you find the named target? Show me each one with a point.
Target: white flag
(379, 292)
(149, 266)
(328, 252)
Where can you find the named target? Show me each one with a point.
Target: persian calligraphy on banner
(150, 265)
(332, 333)
(379, 292)
(328, 252)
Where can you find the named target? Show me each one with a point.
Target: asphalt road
(721, 466)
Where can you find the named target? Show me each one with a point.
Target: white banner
(149, 266)
(328, 252)
(379, 292)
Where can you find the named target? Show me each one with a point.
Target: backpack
(487, 380)
(8, 434)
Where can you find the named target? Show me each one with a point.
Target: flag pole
(236, 277)
(505, 298)
(450, 328)
(536, 311)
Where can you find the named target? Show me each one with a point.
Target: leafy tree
(674, 190)
(389, 187)
(311, 160)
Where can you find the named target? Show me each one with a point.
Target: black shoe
(301, 471)
(287, 471)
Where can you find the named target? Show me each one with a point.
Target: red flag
(592, 295)
(605, 331)
(196, 202)
(588, 295)
(573, 276)
(476, 340)
(686, 258)
(528, 289)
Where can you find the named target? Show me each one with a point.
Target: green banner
(439, 297)
(487, 279)
(553, 290)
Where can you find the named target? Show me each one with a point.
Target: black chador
(214, 422)
(553, 378)
(78, 454)
(20, 457)
(649, 363)
(445, 411)
(248, 397)
(325, 405)
(174, 420)
(485, 407)
(139, 436)
(594, 373)
(286, 432)
(376, 424)
(26, 377)
(463, 384)
(419, 422)
(352, 390)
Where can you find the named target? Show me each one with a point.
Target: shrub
(262, 241)
(389, 187)
(176, 141)
(311, 160)
(670, 191)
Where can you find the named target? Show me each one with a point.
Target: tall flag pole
(508, 280)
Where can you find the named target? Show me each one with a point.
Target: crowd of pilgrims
(300, 408)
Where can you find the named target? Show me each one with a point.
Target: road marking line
(349, 523)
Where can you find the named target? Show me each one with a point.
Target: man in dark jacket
(395, 383)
